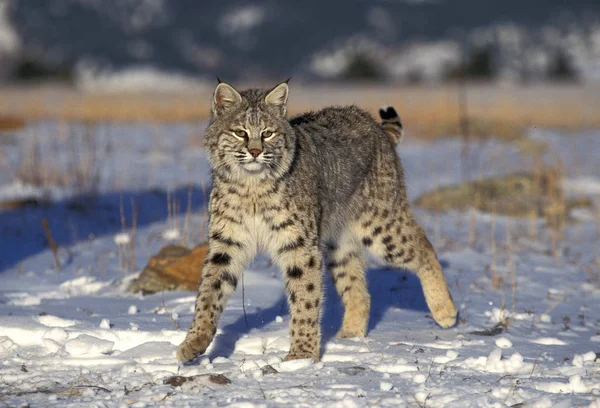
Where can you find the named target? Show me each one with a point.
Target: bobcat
(310, 191)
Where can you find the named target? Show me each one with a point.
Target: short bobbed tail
(391, 123)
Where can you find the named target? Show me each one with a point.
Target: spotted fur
(311, 191)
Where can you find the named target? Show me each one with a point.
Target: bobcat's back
(341, 151)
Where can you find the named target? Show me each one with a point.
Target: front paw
(349, 334)
(193, 346)
(353, 327)
(301, 355)
(445, 313)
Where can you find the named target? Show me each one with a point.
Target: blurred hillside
(140, 42)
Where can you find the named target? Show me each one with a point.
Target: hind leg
(346, 264)
(397, 238)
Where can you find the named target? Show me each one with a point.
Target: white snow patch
(85, 345)
(497, 315)
(6, 344)
(18, 190)
(582, 185)
(105, 324)
(419, 378)
(394, 368)
(122, 239)
(249, 365)
(495, 363)
(503, 342)
(575, 385)
(56, 334)
(171, 234)
(328, 358)
(134, 79)
(250, 345)
(549, 341)
(294, 365)
(580, 360)
(55, 321)
(385, 386)
(84, 285)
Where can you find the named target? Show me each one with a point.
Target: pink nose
(255, 152)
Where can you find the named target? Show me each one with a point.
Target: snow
(86, 345)
(134, 79)
(549, 341)
(105, 324)
(122, 238)
(171, 234)
(419, 378)
(386, 386)
(503, 342)
(64, 333)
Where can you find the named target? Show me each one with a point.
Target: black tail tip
(387, 112)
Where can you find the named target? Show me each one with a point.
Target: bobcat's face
(250, 138)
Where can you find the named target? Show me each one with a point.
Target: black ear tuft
(219, 80)
(287, 81)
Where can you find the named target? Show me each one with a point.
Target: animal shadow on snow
(389, 288)
(79, 218)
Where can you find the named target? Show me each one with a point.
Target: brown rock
(176, 380)
(268, 369)
(219, 379)
(174, 268)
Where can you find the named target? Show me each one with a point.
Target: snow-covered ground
(74, 336)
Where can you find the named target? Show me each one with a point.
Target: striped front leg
(300, 261)
(226, 259)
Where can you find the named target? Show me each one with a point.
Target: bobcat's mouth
(253, 167)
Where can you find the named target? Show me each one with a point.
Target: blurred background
(106, 96)
(158, 43)
(532, 63)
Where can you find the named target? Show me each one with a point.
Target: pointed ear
(278, 97)
(225, 97)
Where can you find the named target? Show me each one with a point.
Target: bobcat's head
(249, 137)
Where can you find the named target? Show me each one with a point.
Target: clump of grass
(126, 242)
(74, 163)
(519, 195)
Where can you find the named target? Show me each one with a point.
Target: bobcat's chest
(264, 214)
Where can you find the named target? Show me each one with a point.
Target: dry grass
(40, 164)
(428, 112)
(126, 249)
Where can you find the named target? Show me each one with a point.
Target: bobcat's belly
(263, 234)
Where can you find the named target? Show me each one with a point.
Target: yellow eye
(268, 135)
(240, 134)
